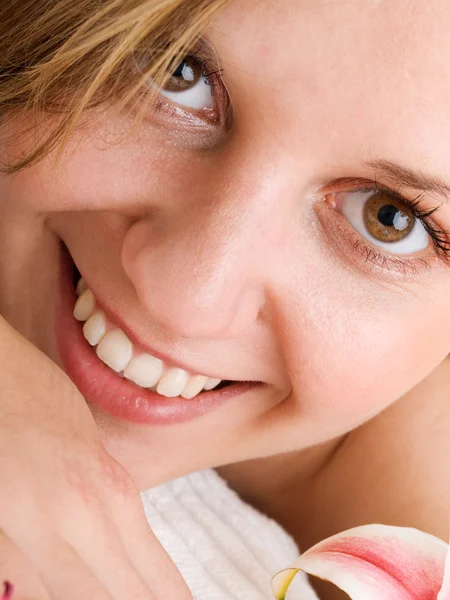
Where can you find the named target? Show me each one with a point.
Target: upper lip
(144, 346)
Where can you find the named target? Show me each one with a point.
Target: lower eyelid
(192, 116)
(377, 258)
(170, 116)
(181, 131)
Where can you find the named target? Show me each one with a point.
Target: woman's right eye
(189, 86)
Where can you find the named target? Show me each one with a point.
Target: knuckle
(117, 479)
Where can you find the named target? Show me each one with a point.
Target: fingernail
(9, 590)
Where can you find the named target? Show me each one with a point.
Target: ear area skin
(376, 562)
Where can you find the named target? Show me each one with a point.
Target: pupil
(179, 70)
(185, 71)
(386, 215)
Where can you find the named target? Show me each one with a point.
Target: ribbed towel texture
(225, 549)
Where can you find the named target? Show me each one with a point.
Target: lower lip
(119, 397)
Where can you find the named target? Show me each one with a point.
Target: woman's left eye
(385, 221)
(189, 86)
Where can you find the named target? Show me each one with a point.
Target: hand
(72, 526)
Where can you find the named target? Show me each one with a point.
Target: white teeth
(211, 384)
(95, 328)
(172, 382)
(145, 370)
(194, 386)
(115, 350)
(81, 287)
(84, 306)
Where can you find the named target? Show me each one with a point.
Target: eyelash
(440, 238)
(218, 115)
(211, 78)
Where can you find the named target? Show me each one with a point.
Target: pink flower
(376, 562)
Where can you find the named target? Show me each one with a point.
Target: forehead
(357, 71)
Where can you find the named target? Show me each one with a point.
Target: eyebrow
(419, 180)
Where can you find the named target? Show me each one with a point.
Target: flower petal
(374, 562)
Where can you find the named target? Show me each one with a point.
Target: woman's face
(273, 249)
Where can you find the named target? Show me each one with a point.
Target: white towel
(224, 548)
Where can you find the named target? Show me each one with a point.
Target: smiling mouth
(130, 362)
(119, 376)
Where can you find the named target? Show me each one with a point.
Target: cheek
(359, 357)
(103, 167)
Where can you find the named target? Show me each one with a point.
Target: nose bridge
(203, 273)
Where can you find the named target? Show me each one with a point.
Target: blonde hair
(67, 56)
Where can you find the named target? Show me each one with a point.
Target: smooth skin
(72, 523)
(260, 274)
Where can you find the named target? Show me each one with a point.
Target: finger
(146, 553)
(98, 558)
(83, 521)
(18, 578)
(64, 574)
(106, 532)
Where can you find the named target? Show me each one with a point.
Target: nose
(200, 267)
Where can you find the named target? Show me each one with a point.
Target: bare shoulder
(396, 469)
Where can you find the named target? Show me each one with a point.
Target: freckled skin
(218, 257)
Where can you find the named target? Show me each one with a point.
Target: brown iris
(185, 76)
(388, 219)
